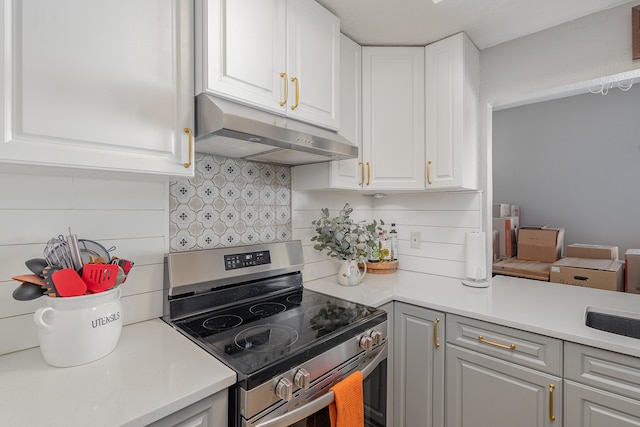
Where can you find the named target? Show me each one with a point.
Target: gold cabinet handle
(368, 173)
(286, 88)
(189, 132)
(551, 416)
(495, 344)
(297, 82)
(361, 173)
(429, 172)
(436, 343)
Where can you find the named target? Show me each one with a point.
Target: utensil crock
(77, 330)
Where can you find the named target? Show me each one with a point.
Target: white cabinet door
(241, 50)
(348, 174)
(277, 55)
(483, 391)
(344, 174)
(105, 86)
(452, 85)
(211, 411)
(418, 369)
(393, 117)
(313, 64)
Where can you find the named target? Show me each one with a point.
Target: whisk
(58, 253)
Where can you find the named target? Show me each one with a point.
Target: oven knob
(376, 336)
(366, 343)
(302, 379)
(284, 389)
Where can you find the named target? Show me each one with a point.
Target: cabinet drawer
(606, 370)
(524, 348)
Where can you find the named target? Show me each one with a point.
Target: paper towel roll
(475, 262)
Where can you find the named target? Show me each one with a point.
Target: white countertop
(546, 308)
(153, 372)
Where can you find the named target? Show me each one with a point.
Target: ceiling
(487, 22)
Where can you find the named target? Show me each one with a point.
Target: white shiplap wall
(131, 215)
(442, 219)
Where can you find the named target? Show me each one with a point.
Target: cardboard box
(632, 271)
(580, 250)
(507, 231)
(589, 273)
(540, 243)
(501, 210)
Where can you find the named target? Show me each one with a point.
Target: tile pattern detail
(229, 202)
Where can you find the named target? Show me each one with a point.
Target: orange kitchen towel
(347, 408)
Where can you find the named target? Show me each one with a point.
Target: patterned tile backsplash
(229, 202)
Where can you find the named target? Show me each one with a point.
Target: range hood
(229, 129)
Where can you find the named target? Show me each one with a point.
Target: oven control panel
(248, 259)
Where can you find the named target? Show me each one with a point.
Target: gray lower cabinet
(418, 367)
(491, 380)
(602, 388)
(211, 411)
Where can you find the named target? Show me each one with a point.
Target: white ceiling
(487, 22)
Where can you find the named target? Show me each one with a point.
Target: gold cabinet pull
(286, 88)
(429, 172)
(361, 173)
(368, 173)
(189, 132)
(436, 342)
(495, 344)
(297, 82)
(551, 416)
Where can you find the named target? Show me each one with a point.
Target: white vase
(349, 273)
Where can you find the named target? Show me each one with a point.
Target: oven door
(316, 412)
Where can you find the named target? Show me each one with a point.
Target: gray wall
(573, 163)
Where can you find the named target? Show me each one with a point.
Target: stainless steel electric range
(247, 306)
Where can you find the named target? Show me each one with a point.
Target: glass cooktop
(259, 334)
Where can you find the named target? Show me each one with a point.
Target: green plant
(342, 237)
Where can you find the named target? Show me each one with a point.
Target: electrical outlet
(415, 239)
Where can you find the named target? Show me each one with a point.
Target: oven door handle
(323, 401)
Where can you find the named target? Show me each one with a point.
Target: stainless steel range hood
(229, 129)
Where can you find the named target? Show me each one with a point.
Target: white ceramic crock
(77, 330)
(349, 273)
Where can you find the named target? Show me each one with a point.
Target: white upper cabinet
(382, 111)
(278, 55)
(452, 85)
(393, 118)
(347, 173)
(104, 86)
(344, 174)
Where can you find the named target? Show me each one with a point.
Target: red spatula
(68, 283)
(99, 277)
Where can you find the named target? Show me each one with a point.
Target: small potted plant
(346, 240)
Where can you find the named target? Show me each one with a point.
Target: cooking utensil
(57, 253)
(27, 291)
(64, 282)
(30, 278)
(99, 277)
(49, 287)
(125, 264)
(74, 250)
(91, 252)
(36, 265)
(121, 276)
